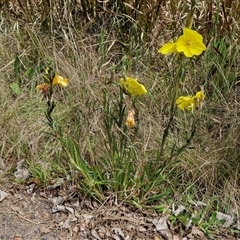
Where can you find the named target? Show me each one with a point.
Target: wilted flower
(190, 43)
(130, 122)
(42, 87)
(132, 87)
(190, 102)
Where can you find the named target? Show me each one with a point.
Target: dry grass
(93, 54)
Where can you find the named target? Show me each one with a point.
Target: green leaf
(15, 88)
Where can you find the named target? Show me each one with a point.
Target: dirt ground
(64, 214)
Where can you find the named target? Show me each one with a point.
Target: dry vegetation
(93, 43)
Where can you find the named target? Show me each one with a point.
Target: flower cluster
(190, 43)
(132, 88)
(191, 102)
(57, 80)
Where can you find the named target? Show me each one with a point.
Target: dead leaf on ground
(87, 217)
(160, 224)
(95, 234)
(3, 195)
(162, 227)
(180, 209)
(228, 219)
(196, 234)
(58, 208)
(21, 172)
(45, 229)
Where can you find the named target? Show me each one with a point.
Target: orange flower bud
(130, 122)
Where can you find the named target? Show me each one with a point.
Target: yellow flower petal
(186, 103)
(59, 80)
(198, 98)
(167, 48)
(200, 95)
(132, 87)
(122, 83)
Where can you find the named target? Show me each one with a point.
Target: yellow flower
(130, 122)
(169, 47)
(186, 103)
(189, 102)
(132, 86)
(59, 80)
(190, 43)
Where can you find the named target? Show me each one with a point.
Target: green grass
(171, 157)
